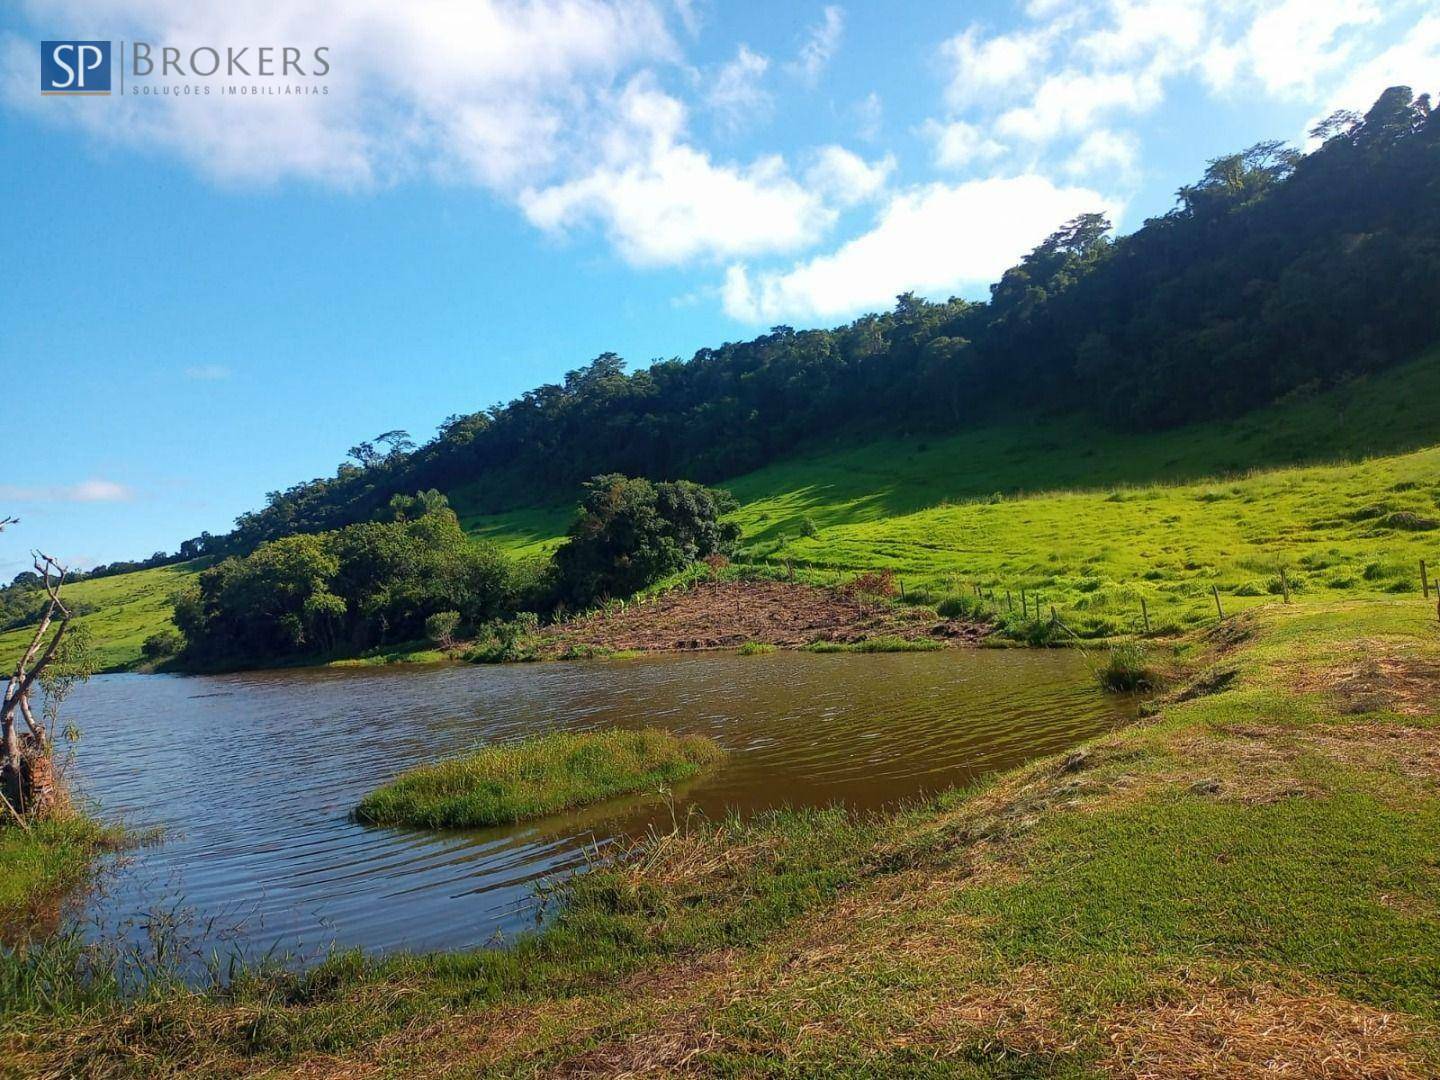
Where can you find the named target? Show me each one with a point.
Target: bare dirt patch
(1383, 681)
(727, 614)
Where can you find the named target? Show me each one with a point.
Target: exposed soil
(727, 614)
(1385, 680)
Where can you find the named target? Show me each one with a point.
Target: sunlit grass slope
(1088, 518)
(128, 609)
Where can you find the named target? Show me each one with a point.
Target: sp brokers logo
(75, 67)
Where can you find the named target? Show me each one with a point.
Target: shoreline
(1209, 890)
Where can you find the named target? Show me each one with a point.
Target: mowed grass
(1243, 885)
(128, 609)
(541, 775)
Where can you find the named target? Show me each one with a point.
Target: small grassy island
(498, 785)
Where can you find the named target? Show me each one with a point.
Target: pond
(252, 777)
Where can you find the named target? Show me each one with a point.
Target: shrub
(1036, 632)
(1128, 669)
(808, 528)
(440, 628)
(161, 644)
(630, 533)
(504, 641)
(963, 607)
(1407, 521)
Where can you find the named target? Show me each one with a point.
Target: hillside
(129, 608)
(1088, 518)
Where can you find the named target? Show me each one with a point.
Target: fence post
(1024, 606)
(1009, 603)
(901, 583)
(1215, 589)
(1425, 581)
(1284, 584)
(1145, 614)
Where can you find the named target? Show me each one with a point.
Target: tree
(28, 782)
(631, 532)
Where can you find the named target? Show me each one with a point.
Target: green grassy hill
(130, 607)
(1339, 489)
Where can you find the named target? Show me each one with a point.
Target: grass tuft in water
(1128, 669)
(878, 644)
(502, 784)
(756, 648)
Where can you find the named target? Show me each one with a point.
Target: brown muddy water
(252, 777)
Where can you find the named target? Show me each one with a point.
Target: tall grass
(1128, 668)
(541, 775)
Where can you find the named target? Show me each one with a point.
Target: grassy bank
(1245, 882)
(40, 862)
(541, 775)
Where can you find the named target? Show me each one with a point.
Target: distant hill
(1276, 274)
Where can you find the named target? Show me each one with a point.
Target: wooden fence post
(1425, 581)
(1215, 589)
(1145, 614)
(1284, 584)
(1009, 603)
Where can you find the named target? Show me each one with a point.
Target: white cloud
(1083, 65)
(1290, 46)
(959, 145)
(1103, 153)
(983, 69)
(207, 372)
(86, 491)
(1414, 61)
(821, 45)
(845, 178)
(735, 94)
(487, 91)
(936, 240)
(691, 16)
(663, 202)
(869, 115)
(1072, 102)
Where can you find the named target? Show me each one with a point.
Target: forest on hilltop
(1278, 273)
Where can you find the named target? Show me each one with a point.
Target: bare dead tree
(27, 773)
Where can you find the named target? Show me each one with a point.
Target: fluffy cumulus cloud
(580, 114)
(1081, 67)
(1113, 155)
(486, 91)
(937, 239)
(845, 178)
(663, 202)
(958, 145)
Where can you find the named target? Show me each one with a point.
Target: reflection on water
(253, 775)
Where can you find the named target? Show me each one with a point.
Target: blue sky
(204, 299)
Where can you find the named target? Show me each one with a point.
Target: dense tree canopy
(630, 533)
(367, 584)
